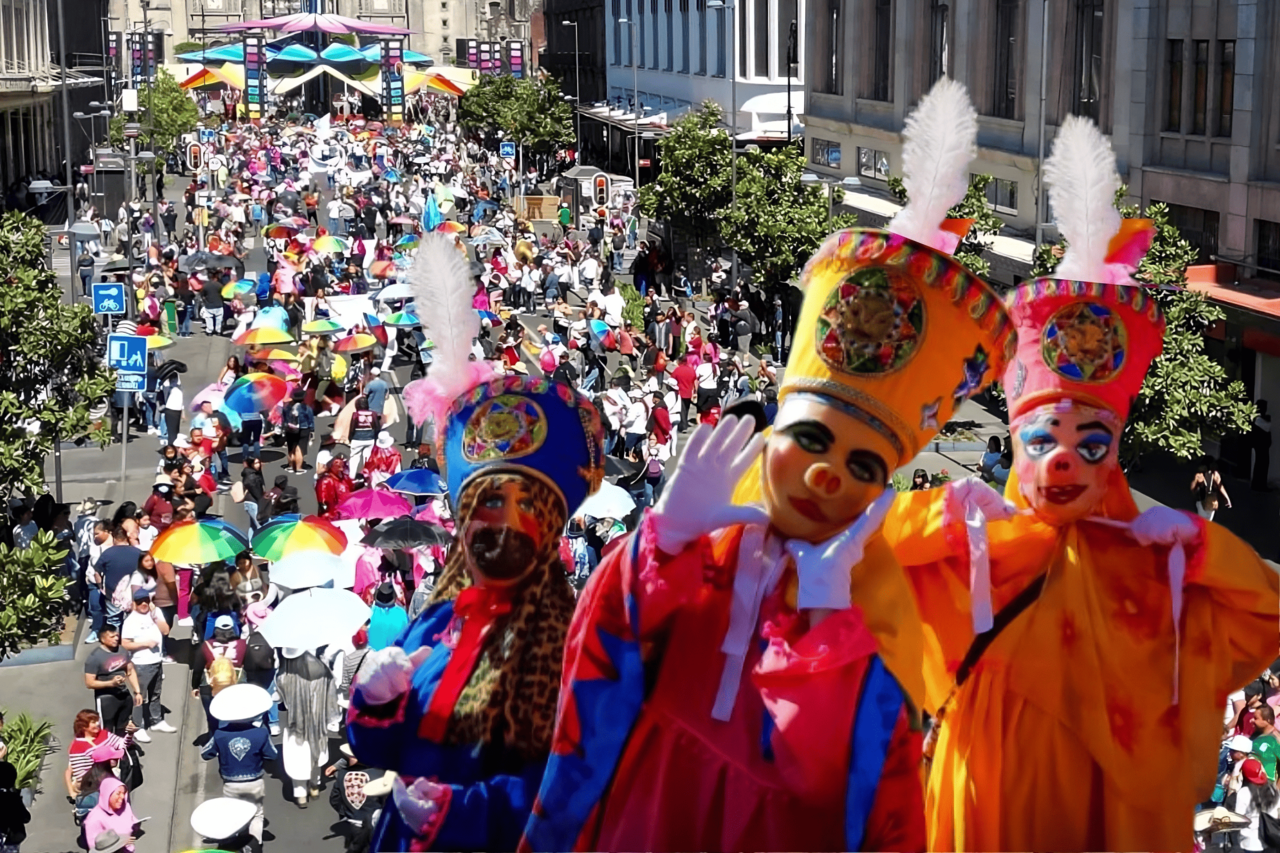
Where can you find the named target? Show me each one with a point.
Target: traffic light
(602, 190)
(195, 156)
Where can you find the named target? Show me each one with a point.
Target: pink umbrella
(374, 503)
(285, 369)
(211, 394)
(309, 22)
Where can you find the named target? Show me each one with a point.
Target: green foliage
(33, 590)
(27, 742)
(529, 111)
(1186, 398)
(51, 375)
(779, 220)
(167, 113)
(692, 192)
(187, 47)
(633, 311)
(972, 249)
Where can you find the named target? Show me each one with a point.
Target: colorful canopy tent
(228, 74)
(373, 53)
(310, 22)
(415, 81)
(290, 83)
(224, 53)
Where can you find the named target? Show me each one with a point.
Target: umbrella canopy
(309, 568)
(406, 532)
(373, 53)
(270, 355)
(237, 288)
(158, 342)
(240, 702)
(263, 337)
(382, 269)
(281, 230)
(329, 243)
(322, 327)
(355, 343)
(407, 242)
(451, 227)
(374, 503)
(273, 316)
(399, 290)
(610, 501)
(203, 260)
(403, 319)
(278, 539)
(310, 22)
(431, 216)
(199, 541)
(315, 617)
(255, 392)
(417, 481)
(118, 265)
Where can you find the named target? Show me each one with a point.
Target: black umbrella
(406, 532)
(615, 467)
(118, 265)
(169, 368)
(203, 260)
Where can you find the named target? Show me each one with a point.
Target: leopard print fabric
(513, 691)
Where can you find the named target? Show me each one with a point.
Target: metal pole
(57, 467)
(733, 140)
(635, 91)
(1044, 73)
(791, 61)
(151, 116)
(124, 439)
(66, 131)
(577, 92)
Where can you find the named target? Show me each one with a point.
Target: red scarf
(478, 607)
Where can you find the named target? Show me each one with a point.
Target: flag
(431, 217)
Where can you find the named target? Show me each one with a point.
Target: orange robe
(1065, 736)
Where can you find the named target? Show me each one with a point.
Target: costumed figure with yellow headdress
(1079, 653)
(462, 707)
(726, 686)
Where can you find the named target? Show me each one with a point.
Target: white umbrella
(222, 817)
(399, 290)
(610, 502)
(315, 617)
(314, 568)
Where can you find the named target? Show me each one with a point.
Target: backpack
(1268, 831)
(221, 673)
(293, 418)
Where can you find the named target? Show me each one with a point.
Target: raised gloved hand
(1162, 525)
(418, 803)
(824, 568)
(698, 498)
(968, 494)
(973, 503)
(385, 674)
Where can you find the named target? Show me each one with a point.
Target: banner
(490, 57)
(393, 80)
(515, 58)
(115, 58)
(473, 52)
(255, 78)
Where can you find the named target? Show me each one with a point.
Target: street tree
(52, 377)
(33, 589)
(530, 111)
(971, 253)
(779, 220)
(167, 113)
(1187, 398)
(692, 192)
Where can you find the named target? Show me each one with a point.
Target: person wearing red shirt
(333, 487)
(686, 378)
(159, 506)
(660, 420)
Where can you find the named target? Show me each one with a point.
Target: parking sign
(131, 382)
(507, 149)
(108, 297)
(127, 353)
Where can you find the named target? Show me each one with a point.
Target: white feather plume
(440, 279)
(1082, 180)
(939, 141)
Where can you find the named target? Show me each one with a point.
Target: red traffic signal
(195, 156)
(602, 189)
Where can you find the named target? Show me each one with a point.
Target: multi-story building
(1178, 85)
(576, 25)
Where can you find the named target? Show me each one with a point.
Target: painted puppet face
(502, 535)
(822, 468)
(1064, 458)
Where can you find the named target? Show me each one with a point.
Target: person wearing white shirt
(588, 271)
(173, 402)
(706, 377)
(1257, 796)
(636, 421)
(143, 636)
(614, 304)
(616, 402)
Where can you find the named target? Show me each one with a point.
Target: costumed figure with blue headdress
(462, 707)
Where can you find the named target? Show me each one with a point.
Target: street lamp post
(635, 97)
(728, 6)
(849, 183)
(577, 86)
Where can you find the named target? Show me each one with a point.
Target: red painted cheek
(527, 525)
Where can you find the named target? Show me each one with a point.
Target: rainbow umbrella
(263, 336)
(451, 227)
(287, 370)
(322, 327)
(278, 539)
(156, 342)
(329, 243)
(281, 230)
(403, 319)
(198, 542)
(271, 355)
(233, 289)
(255, 392)
(493, 318)
(355, 343)
(374, 503)
(382, 269)
(376, 328)
(406, 243)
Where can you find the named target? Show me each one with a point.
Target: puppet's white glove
(417, 803)
(1162, 525)
(698, 499)
(824, 568)
(385, 674)
(964, 496)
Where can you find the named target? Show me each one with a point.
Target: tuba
(524, 252)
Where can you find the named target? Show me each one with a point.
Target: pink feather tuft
(428, 399)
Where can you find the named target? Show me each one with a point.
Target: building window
(873, 164)
(761, 38)
(671, 36)
(939, 41)
(1268, 249)
(1089, 31)
(684, 36)
(1173, 79)
(1005, 99)
(788, 46)
(1200, 86)
(617, 32)
(740, 66)
(1226, 85)
(828, 58)
(700, 6)
(723, 45)
(1002, 195)
(883, 57)
(827, 153)
(1198, 227)
(653, 11)
(638, 22)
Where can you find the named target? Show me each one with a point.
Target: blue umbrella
(431, 217)
(417, 481)
(272, 317)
